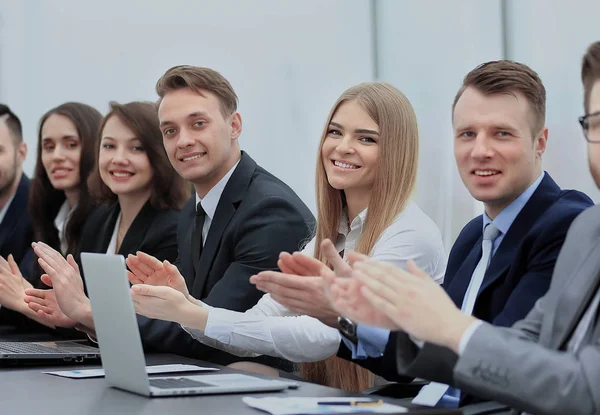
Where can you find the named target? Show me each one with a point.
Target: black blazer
(257, 217)
(152, 231)
(16, 234)
(519, 273)
(16, 237)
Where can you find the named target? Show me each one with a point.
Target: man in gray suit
(548, 363)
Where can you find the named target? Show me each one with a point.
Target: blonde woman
(366, 173)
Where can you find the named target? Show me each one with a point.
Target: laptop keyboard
(177, 383)
(33, 348)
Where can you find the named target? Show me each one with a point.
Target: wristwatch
(348, 329)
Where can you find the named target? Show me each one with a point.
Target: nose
(185, 139)
(58, 154)
(345, 145)
(120, 157)
(482, 147)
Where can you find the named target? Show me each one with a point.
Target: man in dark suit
(547, 363)
(238, 222)
(498, 120)
(15, 227)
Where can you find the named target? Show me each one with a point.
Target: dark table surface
(25, 389)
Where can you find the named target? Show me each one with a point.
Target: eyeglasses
(591, 127)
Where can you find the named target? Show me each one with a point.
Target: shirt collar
(508, 215)
(211, 200)
(5, 208)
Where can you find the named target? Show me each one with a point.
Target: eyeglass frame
(584, 125)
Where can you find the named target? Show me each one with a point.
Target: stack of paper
(309, 406)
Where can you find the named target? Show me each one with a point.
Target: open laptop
(121, 346)
(47, 351)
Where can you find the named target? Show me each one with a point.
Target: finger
(284, 280)
(36, 293)
(391, 276)
(73, 263)
(39, 307)
(14, 268)
(174, 276)
(4, 264)
(150, 290)
(46, 280)
(133, 279)
(283, 263)
(354, 256)
(299, 265)
(150, 261)
(379, 287)
(341, 268)
(50, 271)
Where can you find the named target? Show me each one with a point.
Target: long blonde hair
(393, 185)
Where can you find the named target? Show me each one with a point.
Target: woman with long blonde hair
(366, 173)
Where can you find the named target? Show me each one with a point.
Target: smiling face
(496, 154)
(122, 161)
(201, 143)
(350, 150)
(61, 152)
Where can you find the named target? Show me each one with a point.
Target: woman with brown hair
(366, 173)
(141, 195)
(59, 200)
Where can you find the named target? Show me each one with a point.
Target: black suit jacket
(16, 237)
(257, 217)
(519, 272)
(152, 231)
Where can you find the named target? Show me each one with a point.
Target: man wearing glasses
(548, 363)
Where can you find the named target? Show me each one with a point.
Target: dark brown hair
(169, 190)
(508, 77)
(12, 122)
(198, 79)
(44, 200)
(590, 72)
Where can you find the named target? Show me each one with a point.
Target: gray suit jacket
(526, 366)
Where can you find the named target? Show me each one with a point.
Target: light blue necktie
(451, 396)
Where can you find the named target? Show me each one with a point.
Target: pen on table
(352, 403)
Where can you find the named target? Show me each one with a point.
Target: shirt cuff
(420, 343)
(464, 340)
(371, 342)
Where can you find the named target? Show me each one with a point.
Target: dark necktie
(197, 234)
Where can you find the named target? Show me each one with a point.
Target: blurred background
(289, 60)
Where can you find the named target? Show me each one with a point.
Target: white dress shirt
(272, 329)
(211, 200)
(62, 217)
(112, 245)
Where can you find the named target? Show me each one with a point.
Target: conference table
(24, 389)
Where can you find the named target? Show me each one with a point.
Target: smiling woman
(59, 199)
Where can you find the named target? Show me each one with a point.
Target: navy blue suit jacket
(16, 237)
(519, 272)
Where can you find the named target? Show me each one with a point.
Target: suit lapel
(106, 229)
(579, 292)
(137, 231)
(544, 196)
(186, 218)
(233, 193)
(460, 282)
(15, 210)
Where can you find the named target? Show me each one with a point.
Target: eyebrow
(357, 131)
(114, 139)
(192, 115)
(64, 137)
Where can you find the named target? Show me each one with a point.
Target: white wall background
(289, 60)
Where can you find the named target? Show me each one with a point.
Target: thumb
(415, 270)
(172, 270)
(46, 280)
(14, 268)
(72, 262)
(142, 289)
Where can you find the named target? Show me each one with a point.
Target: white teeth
(122, 174)
(191, 158)
(344, 165)
(61, 170)
(485, 172)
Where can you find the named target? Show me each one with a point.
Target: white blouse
(112, 245)
(272, 329)
(61, 220)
